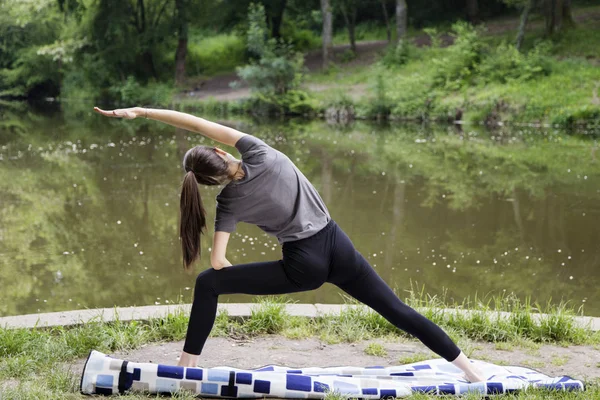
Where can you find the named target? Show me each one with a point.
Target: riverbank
(46, 362)
(555, 83)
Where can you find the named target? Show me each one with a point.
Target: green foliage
(363, 31)
(375, 349)
(214, 55)
(458, 65)
(132, 92)
(275, 77)
(347, 56)
(30, 73)
(293, 102)
(269, 317)
(26, 69)
(434, 36)
(398, 54)
(506, 64)
(380, 106)
(300, 39)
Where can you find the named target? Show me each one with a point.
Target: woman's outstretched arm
(212, 130)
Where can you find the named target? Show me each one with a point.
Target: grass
(415, 358)
(375, 349)
(559, 361)
(26, 353)
(564, 97)
(592, 392)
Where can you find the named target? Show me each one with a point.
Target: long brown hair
(202, 165)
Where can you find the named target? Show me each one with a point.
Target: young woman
(266, 189)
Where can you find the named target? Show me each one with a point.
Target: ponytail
(192, 220)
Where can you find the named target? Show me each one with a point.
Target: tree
(349, 11)
(387, 20)
(557, 15)
(181, 21)
(473, 11)
(274, 10)
(327, 31)
(524, 18)
(401, 19)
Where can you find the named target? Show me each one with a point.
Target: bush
(434, 36)
(293, 102)
(506, 64)
(275, 77)
(211, 55)
(301, 39)
(131, 92)
(398, 54)
(273, 74)
(32, 75)
(459, 66)
(380, 106)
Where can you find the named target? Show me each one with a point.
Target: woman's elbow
(217, 263)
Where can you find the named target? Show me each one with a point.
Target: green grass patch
(375, 349)
(415, 358)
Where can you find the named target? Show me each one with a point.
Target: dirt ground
(580, 362)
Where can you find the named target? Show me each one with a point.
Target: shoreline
(234, 311)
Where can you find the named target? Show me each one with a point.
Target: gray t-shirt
(273, 194)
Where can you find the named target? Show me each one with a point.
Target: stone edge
(235, 310)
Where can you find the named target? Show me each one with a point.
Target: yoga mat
(105, 375)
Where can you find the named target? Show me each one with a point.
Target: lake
(89, 209)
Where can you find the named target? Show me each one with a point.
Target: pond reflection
(89, 209)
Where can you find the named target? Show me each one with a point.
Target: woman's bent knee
(205, 282)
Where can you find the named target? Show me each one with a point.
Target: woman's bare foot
(474, 376)
(471, 373)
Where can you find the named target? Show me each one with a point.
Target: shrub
(398, 54)
(208, 56)
(131, 92)
(434, 36)
(32, 75)
(275, 77)
(460, 62)
(294, 102)
(301, 39)
(381, 106)
(506, 64)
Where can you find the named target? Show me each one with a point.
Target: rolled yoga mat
(103, 374)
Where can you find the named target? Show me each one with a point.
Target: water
(89, 209)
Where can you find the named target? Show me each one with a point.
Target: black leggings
(327, 256)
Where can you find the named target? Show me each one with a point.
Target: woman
(266, 189)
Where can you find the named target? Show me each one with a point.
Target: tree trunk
(350, 21)
(401, 19)
(567, 16)
(550, 16)
(352, 35)
(387, 21)
(148, 64)
(182, 32)
(327, 32)
(277, 18)
(473, 11)
(524, 17)
(180, 56)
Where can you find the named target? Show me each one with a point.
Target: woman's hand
(127, 113)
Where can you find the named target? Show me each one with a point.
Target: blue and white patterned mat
(105, 375)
